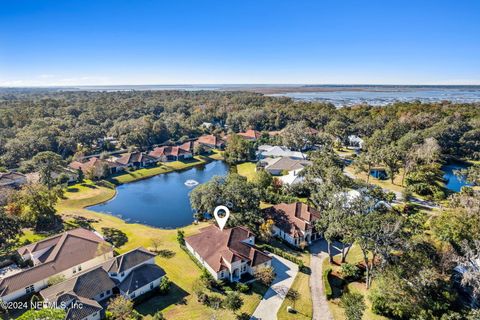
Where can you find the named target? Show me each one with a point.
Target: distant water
(452, 182)
(161, 201)
(380, 97)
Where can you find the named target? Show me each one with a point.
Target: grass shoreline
(180, 303)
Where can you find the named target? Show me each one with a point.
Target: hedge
(326, 283)
(281, 253)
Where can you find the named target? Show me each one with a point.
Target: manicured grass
(386, 184)
(162, 168)
(247, 170)
(303, 305)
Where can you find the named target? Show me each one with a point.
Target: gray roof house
(268, 151)
(130, 274)
(276, 166)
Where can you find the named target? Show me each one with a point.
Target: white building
(227, 254)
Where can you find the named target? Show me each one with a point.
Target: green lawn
(303, 305)
(164, 167)
(247, 170)
(180, 303)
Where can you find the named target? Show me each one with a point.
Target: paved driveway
(286, 272)
(318, 250)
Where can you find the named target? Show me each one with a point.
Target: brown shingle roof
(293, 217)
(70, 249)
(88, 307)
(250, 134)
(171, 150)
(215, 246)
(210, 140)
(132, 157)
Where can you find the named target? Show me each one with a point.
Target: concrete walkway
(286, 271)
(318, 250)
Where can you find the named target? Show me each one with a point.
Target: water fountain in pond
(191, 183)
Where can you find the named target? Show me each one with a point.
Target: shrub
(354, 306)
(265, 275)
(242, 287)
(164, 286)
(181, 237)
(214, 302)
(115, 236)
(326, 283)
(350, 271)
(233, 301)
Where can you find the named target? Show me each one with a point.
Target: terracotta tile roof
(172, 150)
(216, 246)
(250, 134)
(210, 140)
(69, 249)
(128, 260)
(293, 218)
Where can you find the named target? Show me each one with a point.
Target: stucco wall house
(227, 254)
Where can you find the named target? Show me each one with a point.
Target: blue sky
(102, 42)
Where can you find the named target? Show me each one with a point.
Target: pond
(161, 201)
(452, 182)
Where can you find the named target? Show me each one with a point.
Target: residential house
(294, 222)
(282, 165)
(228, 253)
(210, 142)
(173, 153)
(268, 151)
(135, 160)
(252, 135)
(97, 167)
(130, 274)
(355, 142)
(62, 255)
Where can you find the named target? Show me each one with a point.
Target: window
(102, 295)
(222, 274)
(132, 295)
(108, 291)
(123, 273)
(79, 268)
(114, 274)
(30, 289)
(151, 286)
(74, 270)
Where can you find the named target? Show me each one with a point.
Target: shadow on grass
(337, 285)
(72, 189)
(165, 253)
(91, 186)
(158, 302)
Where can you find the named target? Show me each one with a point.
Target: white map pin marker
(221, 221)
